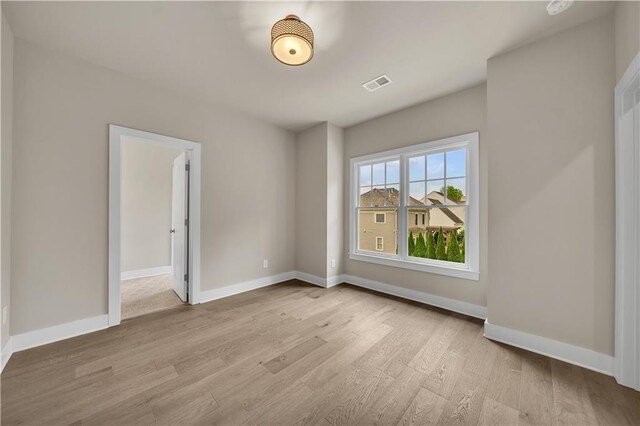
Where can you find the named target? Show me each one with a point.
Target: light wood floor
(294, 353)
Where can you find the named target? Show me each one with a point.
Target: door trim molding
(626, 367)
(115, 181)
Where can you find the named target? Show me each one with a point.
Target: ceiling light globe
(292, 41)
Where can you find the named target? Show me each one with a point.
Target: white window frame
(381, 243)
(375, 217)
(471, 268)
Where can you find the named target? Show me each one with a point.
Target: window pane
(435, 166)
(457, 190)
(416, 168)
(378, 174)
(369, 231)
(393, 195)
(393, 172)
(434, 192)
(365, 196)
(379, 196)
(423, 240)
(457, 163)
(416, 193)
(365, 175)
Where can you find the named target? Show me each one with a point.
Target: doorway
(154, 222)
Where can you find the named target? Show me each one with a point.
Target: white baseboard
(7, 351)
(230, 290)
(319, 281)
(577, 355)
(573, 354)
(40, 337)
(149, 272)
(470, 309)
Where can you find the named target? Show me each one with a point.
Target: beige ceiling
(219, 51)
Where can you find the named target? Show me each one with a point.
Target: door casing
(627, 268)
(116, 133)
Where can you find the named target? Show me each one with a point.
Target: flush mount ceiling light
(292, 41)
(558, 6)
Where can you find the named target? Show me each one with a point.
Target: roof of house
(451, 215)
(390, 197)
(440, 197)
(385, 197)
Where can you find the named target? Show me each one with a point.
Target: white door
(179, 225)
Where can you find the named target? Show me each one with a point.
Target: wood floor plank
(506, 377)
(320, 375)
(444, 374)
(353, 406)
(572, 404)
(612, 403)
(495, 413)
(390, 407)
(315, 409)
(425, 409)
(284, 360)
(536, 404)
(482, 356)
(294, 353)
(266, 386)
(465, 404)
(437, 344)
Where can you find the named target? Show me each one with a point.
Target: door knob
(173, 231)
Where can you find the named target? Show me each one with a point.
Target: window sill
(417, 266)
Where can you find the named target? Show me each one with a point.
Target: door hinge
(186, 222)
(187, 167)
(186, 277)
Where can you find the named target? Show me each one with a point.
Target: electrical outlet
(333, 263)
(265, 263)
(5, 314)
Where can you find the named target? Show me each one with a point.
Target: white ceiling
(219, 51)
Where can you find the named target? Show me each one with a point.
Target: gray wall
(335, 199)
(456, 114)
(5, 178)
(627, 38)
(62, 110)
(146, 205)
(551, 187)
(311, 201)
(319, 198)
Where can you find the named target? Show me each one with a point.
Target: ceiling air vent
(377, 83)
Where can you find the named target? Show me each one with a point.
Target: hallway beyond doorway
(148, 294)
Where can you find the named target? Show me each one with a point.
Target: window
(424, 200)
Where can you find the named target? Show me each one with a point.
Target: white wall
(62, 110)
(311, 201)
(5, 178)
(551, 187)
(456, 114)
(627, 34)
(146, 205)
